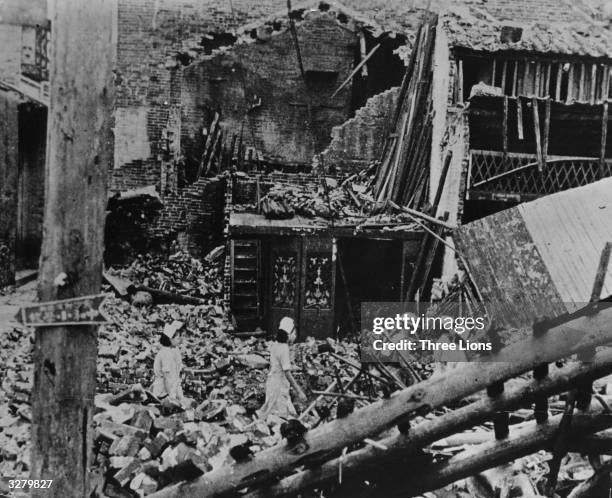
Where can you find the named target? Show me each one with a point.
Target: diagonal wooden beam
(573, 336)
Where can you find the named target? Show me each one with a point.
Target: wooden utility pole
(79, 155)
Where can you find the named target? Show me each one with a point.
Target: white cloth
(278, 400)
(168, 364)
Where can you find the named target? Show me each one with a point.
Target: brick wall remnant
(261, 95)
(360, 140)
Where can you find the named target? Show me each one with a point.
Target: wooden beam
(460, 82)
(604, 140)
(559, 342)
(593, 83)
(355, 71)
(558, 85)
(537, 133)
(430, 431)
(505, 127)
(78, 158)
(493, 71)
(581, 84)
(570, 83)
(546, 130)
(504, 76)
(519, 118)
(515, 79)
(362, 52)
(602, 271)
(524, 439)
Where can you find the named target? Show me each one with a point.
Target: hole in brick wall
(385, 68)
(277, 25)
(343, 18)
(184, 58)
(324, 6)
(214, 41)
(297, 14)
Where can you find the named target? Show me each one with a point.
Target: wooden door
(316, 315)
(284, 288)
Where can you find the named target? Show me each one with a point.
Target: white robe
(168, 365)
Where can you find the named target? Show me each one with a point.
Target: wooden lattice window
(495, 175)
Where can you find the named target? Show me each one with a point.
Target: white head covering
(287, 324)
(171, 328)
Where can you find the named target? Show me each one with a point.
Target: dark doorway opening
(31, 186)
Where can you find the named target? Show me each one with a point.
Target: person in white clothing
(167, 369)
(278, 400)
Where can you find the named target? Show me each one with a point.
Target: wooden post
(505, 130)
(79, 155)
(545, 138)
(604, 139)
(537, 132)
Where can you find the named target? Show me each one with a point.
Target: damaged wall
(289, 118)
(361, 139)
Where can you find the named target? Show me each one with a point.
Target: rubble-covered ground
(141, 444)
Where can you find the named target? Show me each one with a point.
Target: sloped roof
(476, 30)
(540, 259)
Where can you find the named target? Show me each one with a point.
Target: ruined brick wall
(193, 216)
(360, 140)
(9, 133)
(289, 120)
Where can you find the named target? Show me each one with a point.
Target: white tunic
(168, 365)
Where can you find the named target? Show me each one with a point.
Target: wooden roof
(540, 259)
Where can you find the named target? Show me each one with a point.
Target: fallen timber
(524, 439)
(370, 459)
(321, 444)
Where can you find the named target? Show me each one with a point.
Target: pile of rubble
(178, 274)
(331, 199)
(142, 444)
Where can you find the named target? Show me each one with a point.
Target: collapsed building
(225, 113)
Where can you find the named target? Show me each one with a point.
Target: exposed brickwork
(360, 140)
(193, 216)
(292, 121)
(135, 175)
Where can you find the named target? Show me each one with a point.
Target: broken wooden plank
(165, 297)
(504, 76)
(537, 132)
(593, 83)
(602, 270)
(570, 83)
(428, 432)
(280, 460)
(604, 139)
(558, 84)
(545, 139)
(355, 71)
(519, 118)
(363, 52)
(505, 128)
